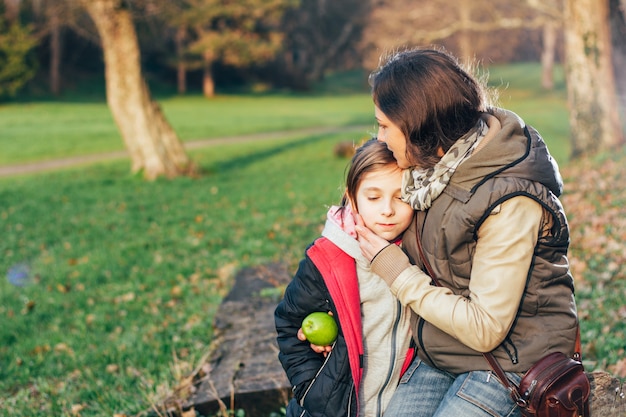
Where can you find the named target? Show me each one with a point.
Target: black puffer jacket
(322, 387)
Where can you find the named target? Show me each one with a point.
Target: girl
(358, 374)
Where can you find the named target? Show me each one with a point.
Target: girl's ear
(351, 205)
(359, 220)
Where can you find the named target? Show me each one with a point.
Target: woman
(485, 190)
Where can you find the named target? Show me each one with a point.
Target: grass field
(48, 130)
(36, 131)
(110, 283)
(125, 275)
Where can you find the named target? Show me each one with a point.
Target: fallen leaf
(619, 369)
(189, 413)
(77, 408)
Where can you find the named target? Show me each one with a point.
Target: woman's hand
(325, 350)
(369, 242)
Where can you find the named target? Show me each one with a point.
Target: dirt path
(41, 166)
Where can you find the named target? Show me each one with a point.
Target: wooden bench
(243, 370)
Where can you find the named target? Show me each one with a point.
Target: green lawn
(109, 283)
(48, 130)
(126, 274)
(36, 131)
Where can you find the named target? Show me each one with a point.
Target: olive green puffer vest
(546, 320)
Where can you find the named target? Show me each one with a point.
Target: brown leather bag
(555, 386)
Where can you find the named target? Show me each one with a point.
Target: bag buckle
(521, 403)
(517, 398)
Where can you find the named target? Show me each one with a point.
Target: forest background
(111, 281)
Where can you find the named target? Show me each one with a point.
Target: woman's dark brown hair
(430, 97)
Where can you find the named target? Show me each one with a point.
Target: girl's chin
(388, 236)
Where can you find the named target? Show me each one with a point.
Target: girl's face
(391, 134)
(379, 204)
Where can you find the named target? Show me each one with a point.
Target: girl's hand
(369, 242)
(325, 350)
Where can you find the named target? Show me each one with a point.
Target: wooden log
(607, 395)
(244, 371)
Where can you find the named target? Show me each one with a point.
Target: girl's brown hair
(369, 157)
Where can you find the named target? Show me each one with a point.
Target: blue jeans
(429, 392)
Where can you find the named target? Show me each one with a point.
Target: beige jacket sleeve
(505, 245)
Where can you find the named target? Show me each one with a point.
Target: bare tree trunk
(618, 41)
(153, 145)
(208, 83)
(11, 10)
(465, 34)
(547, 55)
(181, 67)
(55, 53)
(320, 62)
(591, 94)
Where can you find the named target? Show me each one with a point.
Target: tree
(181, 64)
(172, 43)
(50, 18)
(549, 37)
(400, 23)
(237, 34)
(552, 24)
(12, 10)
(618, 35)
(320, 32)
(153, 145)
(593, 104)
(16, 64)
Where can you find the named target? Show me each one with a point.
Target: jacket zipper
(349, 411)
(546, 372)
(394, 354)
(316, 375)
(512, 353)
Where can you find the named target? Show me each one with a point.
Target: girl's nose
(387, 209)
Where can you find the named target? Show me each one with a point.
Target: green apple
(320, 328)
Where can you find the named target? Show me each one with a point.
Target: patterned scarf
(420, 187)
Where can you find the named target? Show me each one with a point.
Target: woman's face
(391, 134)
